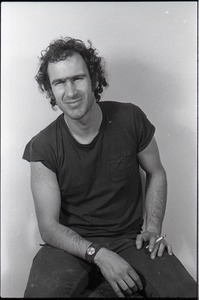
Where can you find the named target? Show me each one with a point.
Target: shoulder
(122, 109)
(43, 146)
(48, 134)
(119, 105)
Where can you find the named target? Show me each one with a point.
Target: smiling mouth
(73, 101)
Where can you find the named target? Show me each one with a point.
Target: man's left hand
(154, 248)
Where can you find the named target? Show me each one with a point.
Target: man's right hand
(120, 275)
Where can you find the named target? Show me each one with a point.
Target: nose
(70, 89)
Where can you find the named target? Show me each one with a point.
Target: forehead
(71, 66)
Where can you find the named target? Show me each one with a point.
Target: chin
(76, 115)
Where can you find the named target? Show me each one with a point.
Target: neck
(84, 130)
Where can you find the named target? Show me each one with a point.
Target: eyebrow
(66, 78)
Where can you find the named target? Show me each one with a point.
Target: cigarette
(159, 239)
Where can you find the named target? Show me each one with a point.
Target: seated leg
(162, 277)
(57, 274)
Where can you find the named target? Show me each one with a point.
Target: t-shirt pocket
(121, 165)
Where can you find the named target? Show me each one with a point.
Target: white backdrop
(150, 52)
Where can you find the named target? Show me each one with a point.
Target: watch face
(91, 251)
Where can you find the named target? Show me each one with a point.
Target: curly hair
(65, 47)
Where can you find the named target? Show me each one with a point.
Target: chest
(111, 158)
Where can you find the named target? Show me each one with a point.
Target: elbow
(45, 236)
(163, 173)
(47, 230)
(157, 172)
(158, 175)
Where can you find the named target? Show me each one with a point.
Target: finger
(131, 284)
(155, 250)
(124, 287)
(169, 249)
(139, 241)
(153, 254)
(152, 243)
(116, 289)
(136, 279)
(161, 249)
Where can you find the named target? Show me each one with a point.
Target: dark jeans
(58, 274)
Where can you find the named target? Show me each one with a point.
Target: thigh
(56, 274)
(163, 277)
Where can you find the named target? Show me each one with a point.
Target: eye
(59, 82)
(79, 78)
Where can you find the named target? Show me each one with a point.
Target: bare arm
(46, 194)
(47, 202)
(155, 198)
(156, 187)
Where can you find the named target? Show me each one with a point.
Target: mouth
(73, 101)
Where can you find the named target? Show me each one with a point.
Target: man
(85, 180)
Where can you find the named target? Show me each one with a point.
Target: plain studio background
(150, 52)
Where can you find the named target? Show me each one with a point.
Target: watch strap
(92, 248)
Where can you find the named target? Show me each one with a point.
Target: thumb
(139, 241)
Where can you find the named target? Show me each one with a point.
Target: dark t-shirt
(99, 182)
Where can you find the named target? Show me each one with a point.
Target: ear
(94, 83)
(51, 95)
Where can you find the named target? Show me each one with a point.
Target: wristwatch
(91, 252)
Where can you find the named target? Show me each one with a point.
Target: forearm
(155, 201)
(64, 238)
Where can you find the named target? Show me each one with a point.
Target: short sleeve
(40, 149)
(144, 129)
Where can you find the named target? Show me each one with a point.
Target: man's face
(71, 85)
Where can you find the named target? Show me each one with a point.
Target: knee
(55, 285)
(178, 287)
(50, 287)
(186, 288)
